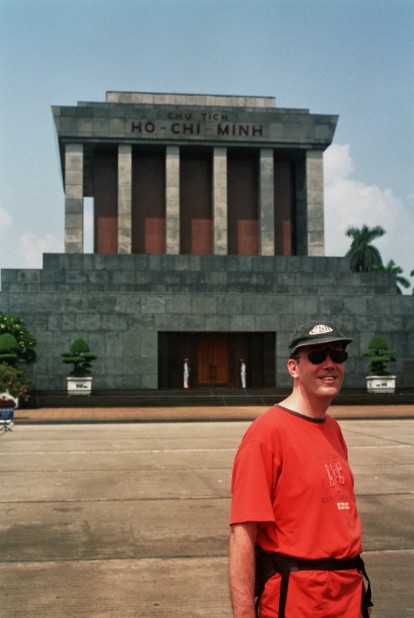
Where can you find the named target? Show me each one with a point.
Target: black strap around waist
(267, 564)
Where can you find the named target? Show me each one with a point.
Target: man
(293, 502)
(186, 373)
(243, 372)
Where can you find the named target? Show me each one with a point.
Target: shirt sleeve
(253, 483)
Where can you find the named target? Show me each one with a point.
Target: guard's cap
(314, 333)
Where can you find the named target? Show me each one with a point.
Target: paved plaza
(128, 520)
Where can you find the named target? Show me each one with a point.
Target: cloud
(349, 202)
(337, 163)
(32, 247)
(5, 220)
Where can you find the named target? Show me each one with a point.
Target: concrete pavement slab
(387, 522)
(113, 530)
(169, 459)
(93, 485)
(123, 520)
(167, 588)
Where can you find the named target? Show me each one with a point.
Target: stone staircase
(200, 397)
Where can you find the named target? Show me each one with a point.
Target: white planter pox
(381, 384)
(79, 386)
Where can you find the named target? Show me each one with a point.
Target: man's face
(323, 379)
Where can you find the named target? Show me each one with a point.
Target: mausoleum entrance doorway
(214, 359)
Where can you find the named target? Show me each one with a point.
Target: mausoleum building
(208, 245)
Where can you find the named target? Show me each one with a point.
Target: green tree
(13, 382)
(392, 267)
(80, 357)
(13, 325)
(9, 349)
(380, 355)
(17, 347)
(362, 255)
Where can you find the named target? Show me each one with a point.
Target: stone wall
(120, 303)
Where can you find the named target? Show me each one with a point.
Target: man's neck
(314, 408)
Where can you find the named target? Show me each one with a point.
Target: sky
(354, 58)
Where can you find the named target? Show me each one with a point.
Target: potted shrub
(13, 385)
(17, 347)
(79, 380)
(379, 380)
(26, 343)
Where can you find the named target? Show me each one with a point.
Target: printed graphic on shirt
(335, 475)
(337, 480)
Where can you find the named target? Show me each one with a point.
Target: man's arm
(242, 566)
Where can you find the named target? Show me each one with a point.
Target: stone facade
(121, 303)
(225, 129)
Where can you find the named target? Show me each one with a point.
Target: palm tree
(392, 267)
(364, 257)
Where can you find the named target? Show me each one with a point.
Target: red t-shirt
(291, 474)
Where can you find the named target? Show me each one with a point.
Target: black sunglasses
(319, 356)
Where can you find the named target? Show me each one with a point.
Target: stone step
(200, 397)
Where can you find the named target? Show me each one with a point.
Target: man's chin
(329, 390)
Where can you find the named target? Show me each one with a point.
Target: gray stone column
(74, 198)
(314, 200)
(124, 197)
(220, 201)
(266, 203)
(172, 200)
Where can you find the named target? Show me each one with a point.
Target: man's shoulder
(266, 423)
(279, 419)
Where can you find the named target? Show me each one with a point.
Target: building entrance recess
(214, 359)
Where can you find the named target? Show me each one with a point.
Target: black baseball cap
(314, 333)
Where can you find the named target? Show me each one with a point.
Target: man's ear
(292, 366)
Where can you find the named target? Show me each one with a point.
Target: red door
(213, 361)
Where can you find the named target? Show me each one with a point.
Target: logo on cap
(320, 329)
